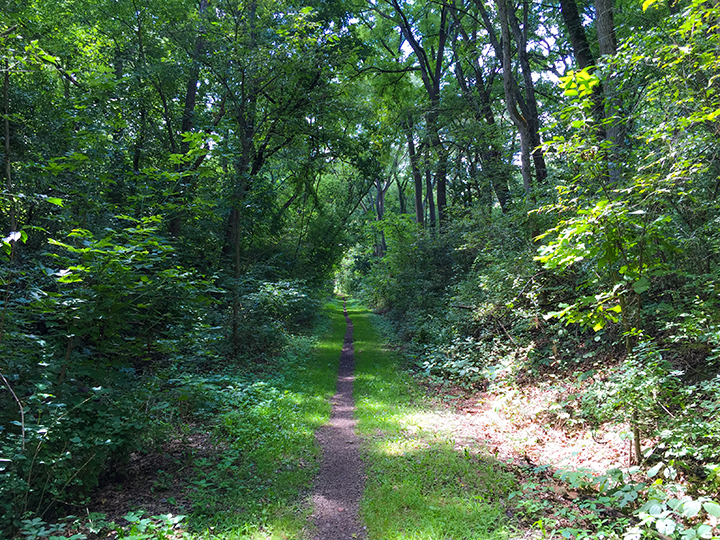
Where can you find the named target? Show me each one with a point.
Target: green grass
(256, 487)
(419, 486)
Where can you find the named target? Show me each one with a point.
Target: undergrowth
(672, 494)
(249, 479)
(265, 431)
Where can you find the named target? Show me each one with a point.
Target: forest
(524, 193)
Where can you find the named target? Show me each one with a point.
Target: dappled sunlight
(429, 490)
(523, 426)
(400, 447)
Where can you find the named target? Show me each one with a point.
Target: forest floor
(516, 426)
(506, 424)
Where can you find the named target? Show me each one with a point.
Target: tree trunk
(491, 157)
(441, 184)
(431, 68)
(584, 59)
(402, 200)
(417, 175)
(509, 87)
(429, 195)
(8, 162)
(576, 32)
(530, 109)
(605, 25)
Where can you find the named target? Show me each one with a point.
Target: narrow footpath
(341, 481)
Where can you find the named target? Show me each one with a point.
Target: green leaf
(641, 285)
(691, 508)
(666, 526)
(704, 531)
(653, 507)
(55, 200)
(712, 508)
(655, 469)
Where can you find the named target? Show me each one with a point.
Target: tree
(477, 88)
(428, 42)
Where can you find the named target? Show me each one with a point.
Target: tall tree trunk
(502, 50)
(381, 189)
(429, 197)
(576, 32)
(584, 58)
(441, 185)
(402, 199)
(530, 110)
(491, 156)
(605, 25)
(431, 69)
(509, 86)
(414, 167)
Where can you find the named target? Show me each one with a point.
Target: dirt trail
(341, 481)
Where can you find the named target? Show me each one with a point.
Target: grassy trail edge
(420, 486)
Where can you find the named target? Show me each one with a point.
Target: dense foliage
(172, 210)
(520, 189)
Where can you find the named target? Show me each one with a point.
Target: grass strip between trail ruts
(269, 454)
(419, 485)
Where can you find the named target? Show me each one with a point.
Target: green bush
(56, 451)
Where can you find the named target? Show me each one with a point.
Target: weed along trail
(340, 482)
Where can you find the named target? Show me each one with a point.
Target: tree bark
(431, 69)
(530, 109)
(430, 201)
(491, 156)
(576, 33)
